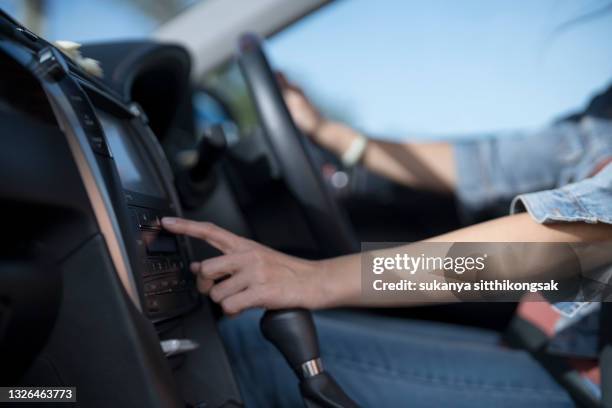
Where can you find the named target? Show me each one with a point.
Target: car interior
(93, 293)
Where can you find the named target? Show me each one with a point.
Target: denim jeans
(392, 362)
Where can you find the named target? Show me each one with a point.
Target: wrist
(320, 292)
(320, 132)
(335, 136)
(331, 287)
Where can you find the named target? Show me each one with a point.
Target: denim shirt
(545, 171)
(561, 173)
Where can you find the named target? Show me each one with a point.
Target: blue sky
(89, 20)
(400, 68)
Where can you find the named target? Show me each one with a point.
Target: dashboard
(89, 181)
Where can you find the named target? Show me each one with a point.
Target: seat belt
(522, 334)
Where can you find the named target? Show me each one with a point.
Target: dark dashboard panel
(128, 175)
(85, 176)
(166, 285)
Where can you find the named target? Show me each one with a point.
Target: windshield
(398, 69)
(87, 20)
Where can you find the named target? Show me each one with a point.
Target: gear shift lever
(293, 333)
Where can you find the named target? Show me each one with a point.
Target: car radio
(162, 263)
(159, 259)
(166, 284)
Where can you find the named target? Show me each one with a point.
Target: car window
(228, 85)
(84, 21)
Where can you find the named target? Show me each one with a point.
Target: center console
(132, 181)
(166, 285)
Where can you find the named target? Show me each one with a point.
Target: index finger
(220, 238)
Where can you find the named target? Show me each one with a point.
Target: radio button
(151, 287)
(143, 218)
(147, 219)
(152, 305)
(158, 266)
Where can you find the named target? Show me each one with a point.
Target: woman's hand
(333, 136)
(305, 115)
(249, 274)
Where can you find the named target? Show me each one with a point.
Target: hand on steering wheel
(305, 115)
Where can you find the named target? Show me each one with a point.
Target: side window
(227, 85)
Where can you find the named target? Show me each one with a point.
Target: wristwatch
(355, 152)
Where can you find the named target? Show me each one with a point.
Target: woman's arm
(345, 286)
(422, 165)
(257, 276)
(427, 166)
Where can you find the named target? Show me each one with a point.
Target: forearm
(421, 165)
(428, 166)
(522, 228)
(343, 275)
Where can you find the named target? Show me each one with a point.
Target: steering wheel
(328, 222)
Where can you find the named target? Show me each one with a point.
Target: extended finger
(218, 237)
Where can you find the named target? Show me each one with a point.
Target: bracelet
(355, 152)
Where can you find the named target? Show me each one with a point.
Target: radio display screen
(135, 170)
